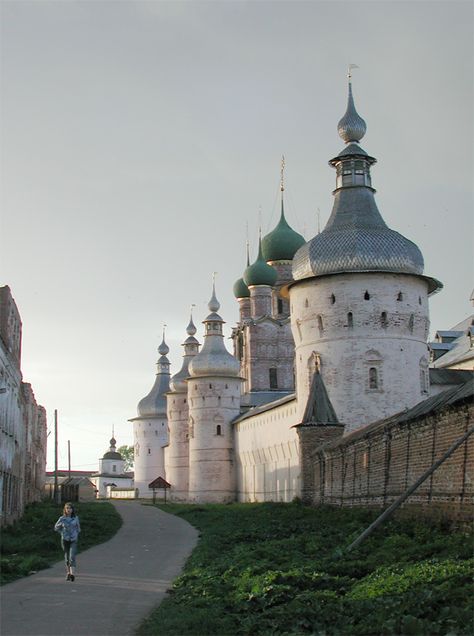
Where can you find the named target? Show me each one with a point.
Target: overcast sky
(139, 138)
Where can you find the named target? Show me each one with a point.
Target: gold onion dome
(260, 273)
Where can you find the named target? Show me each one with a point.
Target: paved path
(118, 583)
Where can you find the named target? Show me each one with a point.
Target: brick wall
(373, 467)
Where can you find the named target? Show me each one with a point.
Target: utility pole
(56, 486)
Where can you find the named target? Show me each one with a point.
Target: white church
(332, 330)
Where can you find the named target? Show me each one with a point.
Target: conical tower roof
(154, 404)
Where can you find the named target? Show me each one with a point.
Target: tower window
(350, 320)
(218, 430)
(226, 386)
(279, 305)
(373, 378)
(411, 323)
(383, 319)
(320, 325)
(400, 296)
(306, 302)
(333, 299)
(210, 386)
(419, 300)
(114, 468)
(366, 295)
(272, 372)
(149, 451)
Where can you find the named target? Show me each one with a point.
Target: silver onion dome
(191, 347)
(154, 404)
(356, 238)
(214, 359)
(351, 126)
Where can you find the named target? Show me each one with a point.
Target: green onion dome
(282, 243)
(259, 273)
(240, 289)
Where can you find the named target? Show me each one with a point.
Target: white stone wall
(267, 454)
(213, 402)
(177, 452)
(150, 436)
(387, 333)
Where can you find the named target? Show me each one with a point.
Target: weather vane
(349, 74)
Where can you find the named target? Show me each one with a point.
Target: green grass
(281, 569)
(31, 543)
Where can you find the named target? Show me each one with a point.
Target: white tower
(359, 303)
(214, 402)
(177, 452)
(150, 428)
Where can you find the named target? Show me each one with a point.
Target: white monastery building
(332, 333)
(111, 473)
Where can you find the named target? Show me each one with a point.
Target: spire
(191, 348)
(319, 409)
(351, 127)
(214, 304)
(282, 242)
(282, 171)
(163, 349)
(191, 328)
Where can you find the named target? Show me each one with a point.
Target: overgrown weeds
(31, 544)
(281, 569)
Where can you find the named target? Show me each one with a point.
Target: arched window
(383, 319)
(279, 305)
(366, 295)
(306, 302)
(373, 363)
(149, 451)
(333, 299)
(373, 378)
(218, 430)
(350, 320)
(400, 296)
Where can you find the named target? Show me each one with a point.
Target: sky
(139, 140)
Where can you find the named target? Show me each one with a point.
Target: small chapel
(331, 339)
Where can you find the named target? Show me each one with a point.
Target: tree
(127, 453)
